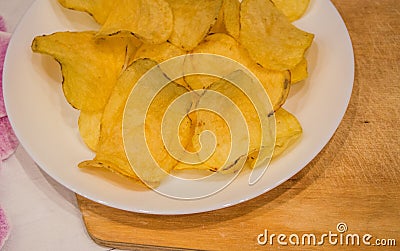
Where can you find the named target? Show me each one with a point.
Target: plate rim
(6, 75)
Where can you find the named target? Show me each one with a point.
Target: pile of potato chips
(101, 67)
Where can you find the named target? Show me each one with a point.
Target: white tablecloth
(42, 213)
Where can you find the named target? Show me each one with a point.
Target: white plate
(47, 126)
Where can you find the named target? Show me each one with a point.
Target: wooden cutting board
(354, 180)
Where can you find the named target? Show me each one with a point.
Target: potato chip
(111, 153)
(231, 17)
(90, 66)
(219, 26)
(149, 20)
(160, 53)
(288, 130)
(228, 19)
(293, 9)
(192, 21)
(98, 9)
(245, 105)
(299, 72)
(107, 165)
(89, 128)
(276, 83)
(210, 121)
(157, 139)
(269, 37)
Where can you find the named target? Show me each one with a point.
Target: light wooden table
(354, 180)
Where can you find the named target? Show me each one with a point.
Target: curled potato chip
(293, 9)
(110, 152)
(107, 165)
(208, 120)
(225, 157)
(149, 20)
(269, 37)
(228, 19)
(205, 122)
(276, 83)
(156, 136)
(219, 25)
(231, 17)
(288, 130)
(90, 66)
(192, 21)
(299, 72)
(89, 128)
(98, 9)
(160, 53)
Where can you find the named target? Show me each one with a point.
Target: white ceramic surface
(47, 126)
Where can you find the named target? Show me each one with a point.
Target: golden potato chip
(149, 20)
(98, 9)
(90, 66)
(111, 153)
(228, 19)
(231, 17)
(288, 130)
(157, 137)
(220, 127)
(208, 120)
(293, 9)
(89, 128)
(276, 83)
(299, 72)
(192, 21)
(107, 165)
(269, 37)
(223, 147)
(218, 26)
(160, 53)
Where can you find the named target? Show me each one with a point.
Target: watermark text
(339, 237)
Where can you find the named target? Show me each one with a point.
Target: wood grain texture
(355, 179)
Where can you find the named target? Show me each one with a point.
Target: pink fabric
(2, 24)
(4, 39)
(8, 140)
(4, 228)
